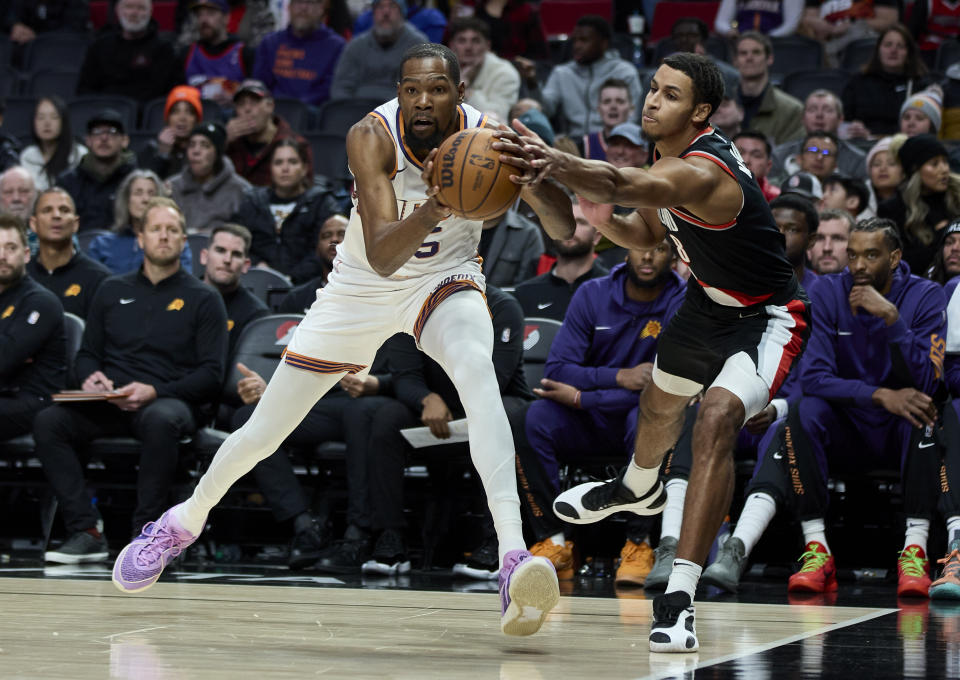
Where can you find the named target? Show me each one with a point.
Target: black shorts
(746, 350)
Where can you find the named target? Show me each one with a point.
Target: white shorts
(356, 312)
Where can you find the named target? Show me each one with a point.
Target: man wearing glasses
(818, 154)
(93, 183)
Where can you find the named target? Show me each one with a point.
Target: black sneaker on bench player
(593, 501)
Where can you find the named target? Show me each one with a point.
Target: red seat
(666, 13)
(560, 16)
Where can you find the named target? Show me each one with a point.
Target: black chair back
(538, 335)
(267, 284)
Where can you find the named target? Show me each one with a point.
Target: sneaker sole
(679, 640)
(914, 591)
(372, 567)
(475, 573)
(630, 580)
(803, 588)
(719, 582)
(121, 585)
(67, 558)
(945, 591)
(533, 592)
(569, 509)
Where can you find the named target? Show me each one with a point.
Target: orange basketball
(471, 178)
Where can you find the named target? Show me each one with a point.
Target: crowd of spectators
(96, 213)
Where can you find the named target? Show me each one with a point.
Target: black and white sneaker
(592, 501)
(81, 547)
(389, 555)
(483, 563)
(673, 629)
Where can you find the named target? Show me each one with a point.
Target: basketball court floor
(265, 622)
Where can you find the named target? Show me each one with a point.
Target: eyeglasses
(100, 131)
(822, 152)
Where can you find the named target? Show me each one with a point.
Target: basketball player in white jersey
(406, 265)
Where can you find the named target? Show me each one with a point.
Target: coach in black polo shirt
(69, 274)
(33, 354)
(158, 336)
(225, 259)
(549, 294)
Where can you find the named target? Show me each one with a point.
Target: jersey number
(680, 251)
(735, 152)
(428, 248)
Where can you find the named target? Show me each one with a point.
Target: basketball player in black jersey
(742, 325)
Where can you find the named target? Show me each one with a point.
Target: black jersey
(742, 262)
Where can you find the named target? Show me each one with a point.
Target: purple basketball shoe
(528, 591)
(140, 564)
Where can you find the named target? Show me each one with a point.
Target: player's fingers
(524, 130)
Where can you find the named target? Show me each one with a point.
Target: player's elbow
(380, 263)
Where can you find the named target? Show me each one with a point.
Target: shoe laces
(548, 549)
(912, 564)
(161, 540)
(813, 561)
(633, 552)
(951, 563)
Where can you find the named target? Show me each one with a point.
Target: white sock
(953, 528)
(275, 417)
(673, 511)
(684, 577)
(559, 539)
(757, 514)
(917, 532)
(815, 530)
(639, 480)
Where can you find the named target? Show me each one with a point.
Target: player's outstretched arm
(639, 229)
(552, 207)
(390, 241)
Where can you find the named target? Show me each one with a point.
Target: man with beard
(299, 299)
(599, 362)
(58, 265)
(225, 259)
(217, 63)
(298, 62)
(407, 265)
(155, 344)
(874, 362)
(134, 61)
(368, 66)
(735, 338)
(33, 350)
(828, 248)
(549, 294)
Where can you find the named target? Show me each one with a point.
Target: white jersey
(454, 241)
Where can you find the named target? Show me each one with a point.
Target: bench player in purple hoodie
(872, 367)
(742, 325)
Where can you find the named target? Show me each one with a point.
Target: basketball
(472, 180)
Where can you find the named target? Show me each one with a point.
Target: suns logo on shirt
(73, 290)
(7, 312)
(175, 306)
(651, 330)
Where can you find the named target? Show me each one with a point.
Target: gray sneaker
(79, 548)
(726, 570)
(665, 553)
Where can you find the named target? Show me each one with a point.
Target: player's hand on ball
(515, 152)
(597, 214)
(433, 203)
(562, 393)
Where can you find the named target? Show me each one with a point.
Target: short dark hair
(891, 236)
(701, 25)
(614, 82)
(801, 205)
(53, 190)
(234, 230)
(852, 187)
(462, 24)
(838, 214)
(756, 36)
(707, 81)
(434, 51)
(597, 23)
(13, 222)
(821, 133)
(759, 136)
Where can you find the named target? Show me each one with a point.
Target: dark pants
(335, 418)
(61, 429)
(389, 451)
(16, 415)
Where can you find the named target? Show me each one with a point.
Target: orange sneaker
(947, 587)
(818, 573)
(913, 573)
(636, 561)
(560, 555)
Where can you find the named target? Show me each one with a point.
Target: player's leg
(459, 336)
(947, 585)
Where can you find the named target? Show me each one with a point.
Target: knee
(164, 418)
(51, 424)
(717, 422)
(542, 418)
(813, 413)
(473, 366)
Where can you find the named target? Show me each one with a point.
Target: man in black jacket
(332, 232)
(155, 344)
(426, 396)
(33, 354)
(133, 61)
(225, 259)
(94, 182)
(58, 265)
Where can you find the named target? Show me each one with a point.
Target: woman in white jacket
(54, 151)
